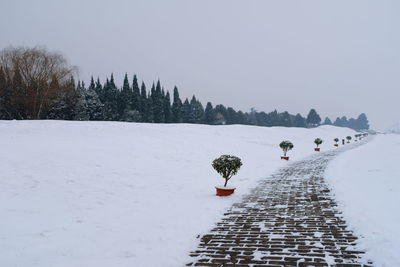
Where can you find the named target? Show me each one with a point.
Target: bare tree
(33, 79)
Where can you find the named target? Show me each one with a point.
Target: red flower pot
(317, 149)
(285, 158)
(223, 192)
(336, 145)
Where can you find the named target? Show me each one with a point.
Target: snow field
(126, 194)
(366, 184)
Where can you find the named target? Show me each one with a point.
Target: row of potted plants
(228, 165)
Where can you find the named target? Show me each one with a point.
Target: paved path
(290, 219)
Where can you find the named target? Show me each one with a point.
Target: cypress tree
(144, 107)
(110, 93)
(136, 96)
(299, 121)
(158, 105)
(167, 108)
(196, 111)
(231, 117)
(313, 119)
(125, 99)
(186, 111)
(176, 107)
(362, 122)
(327, 121)
(284, 119)
(209, 116)
(220, 115)
(94, 105)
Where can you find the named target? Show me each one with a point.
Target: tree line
(37, 84)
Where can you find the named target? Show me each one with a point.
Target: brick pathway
(290, 219)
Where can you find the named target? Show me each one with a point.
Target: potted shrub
(285, 146)
(226, 166)
(348, 138)
(318, 141)
(336, 141)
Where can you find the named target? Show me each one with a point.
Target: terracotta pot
(317, 149)
(222, 192)
(284, 157)
(336, 145)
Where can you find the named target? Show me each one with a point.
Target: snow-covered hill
(125, 194)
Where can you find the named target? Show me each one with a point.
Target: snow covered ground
(366, 182)
(128, 194)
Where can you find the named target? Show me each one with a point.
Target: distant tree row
(36, 84)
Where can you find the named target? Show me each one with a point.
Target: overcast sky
(339, 57)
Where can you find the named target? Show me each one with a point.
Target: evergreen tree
(362, 122)
(63, 106)
(186, 111)
(231, 116)
(337, 122)
(299, 121)
(196, 111)
(136, 95)
(327, 121)
(125, 98)
(241, 118)
(176, 107)
(284, 119)
(80, 104)
(313, 119)
(167, 108)
(144, 107)
(110, 96)
(94, 105)
(274, 118)
(209, 115)
(157, 104)
(344, 122)
(220, 115)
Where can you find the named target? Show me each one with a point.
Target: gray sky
(340, 57)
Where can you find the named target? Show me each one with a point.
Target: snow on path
(286, 220)
(119, 194)
(366, 183)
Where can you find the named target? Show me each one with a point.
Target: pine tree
(176, 107)
(80, 107)
(362, 122)
(313, 119)
(136, 97)
(231, 116)
(144, 107)
(94, 105)
(125, 99)
(167, 108)
(196, 111)
(284, 119)
(63, 106)
(158, 104)
(99, 90)
(344, 122)
(274, 118)
(220, 115)
(209, 115)
(327, 121)
(299, 121)
(337, 122)
(110, 96)
(186, 111)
